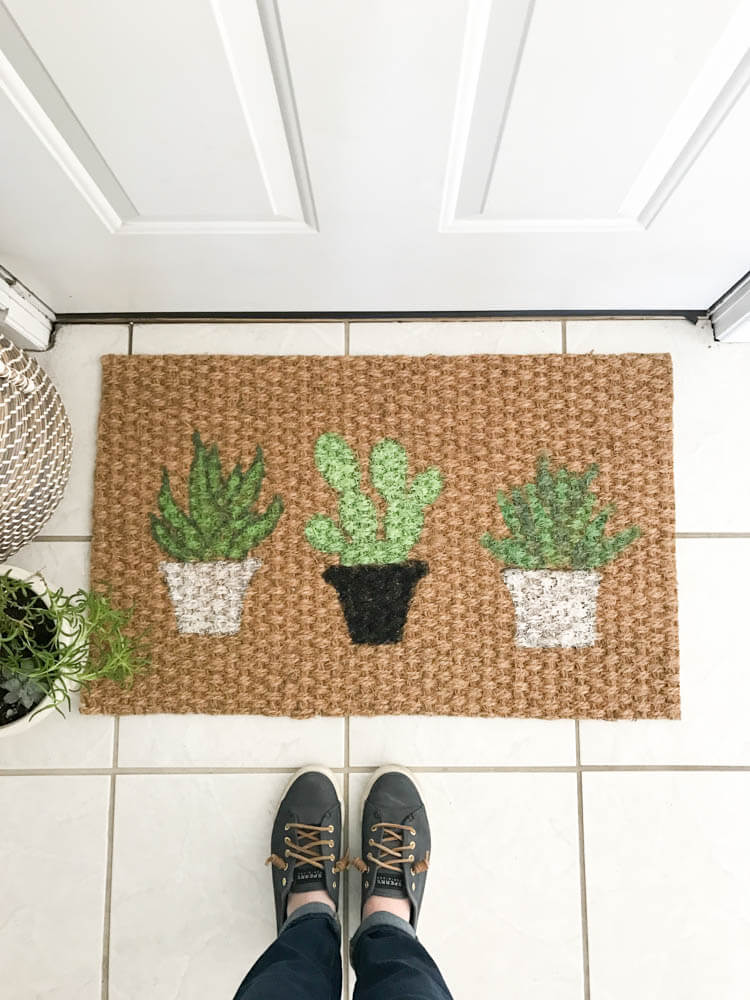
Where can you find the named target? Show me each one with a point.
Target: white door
(218, 155)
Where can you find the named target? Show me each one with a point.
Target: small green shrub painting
(358, 538)
(554, 523)
(222, 520)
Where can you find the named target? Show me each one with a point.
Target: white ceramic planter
(554, 608)
(208, 596)
(35, 716)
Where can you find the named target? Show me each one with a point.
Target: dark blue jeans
(304, 962)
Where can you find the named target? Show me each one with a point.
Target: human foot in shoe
(306, 844)
(395, 845)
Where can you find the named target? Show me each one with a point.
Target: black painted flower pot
(376, 599)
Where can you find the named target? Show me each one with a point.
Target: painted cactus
(557, 542)
(210, 541)
(554, 524)
(358, 538)
(221, 521)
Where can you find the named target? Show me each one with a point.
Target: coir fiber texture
(478, 425)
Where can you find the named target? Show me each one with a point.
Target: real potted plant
(52, 644)
(375, 580)
(557, 543)
(210, 545)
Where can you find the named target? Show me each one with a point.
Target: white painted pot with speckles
(554, 607)
(208, 596)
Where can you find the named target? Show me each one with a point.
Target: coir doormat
(487, 535)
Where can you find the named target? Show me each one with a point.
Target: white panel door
(219, 155)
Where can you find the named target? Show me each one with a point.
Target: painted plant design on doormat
(210, 544)
(375, 580)
(556, 544)
(389, 468)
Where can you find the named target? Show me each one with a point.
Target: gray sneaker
(395, 839)
(306, 839)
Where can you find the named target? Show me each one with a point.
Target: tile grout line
(130, 339)
(346, 338)
(110, 852)
(564, 332)
(582, 869)
(71, 772)
(62, 538)
(661, 768)
(712, 534)
(344, 887)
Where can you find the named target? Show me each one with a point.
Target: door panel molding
(253, 43)
(483, 100)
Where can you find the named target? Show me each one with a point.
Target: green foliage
(52, 651)
(553, 523)
(23, 691)
(221, 521)
(7, 623)
(358, 538)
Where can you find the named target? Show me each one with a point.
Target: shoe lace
(306, 850)
(392, 850)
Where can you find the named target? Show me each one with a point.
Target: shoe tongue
(307, 878)
(389, 883)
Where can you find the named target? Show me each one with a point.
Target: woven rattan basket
(35, 447)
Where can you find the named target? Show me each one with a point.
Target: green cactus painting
(221, 521)
(358, 538)
(210, 541)
(556, 544)
(375, 579)
(554, 524)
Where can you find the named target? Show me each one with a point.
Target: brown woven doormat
(434, 595)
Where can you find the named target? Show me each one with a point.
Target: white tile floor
(612, 858)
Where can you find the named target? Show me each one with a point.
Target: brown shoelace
(393, 850)
(307, 849)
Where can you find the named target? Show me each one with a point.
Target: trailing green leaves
(553, 523)
(222, 520)
(57, 643)
(358, 538)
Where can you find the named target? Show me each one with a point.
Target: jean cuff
(313, 910)
(381, 918)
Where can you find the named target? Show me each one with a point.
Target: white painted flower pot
(208, 596)
(43, 709)
(554, 608)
